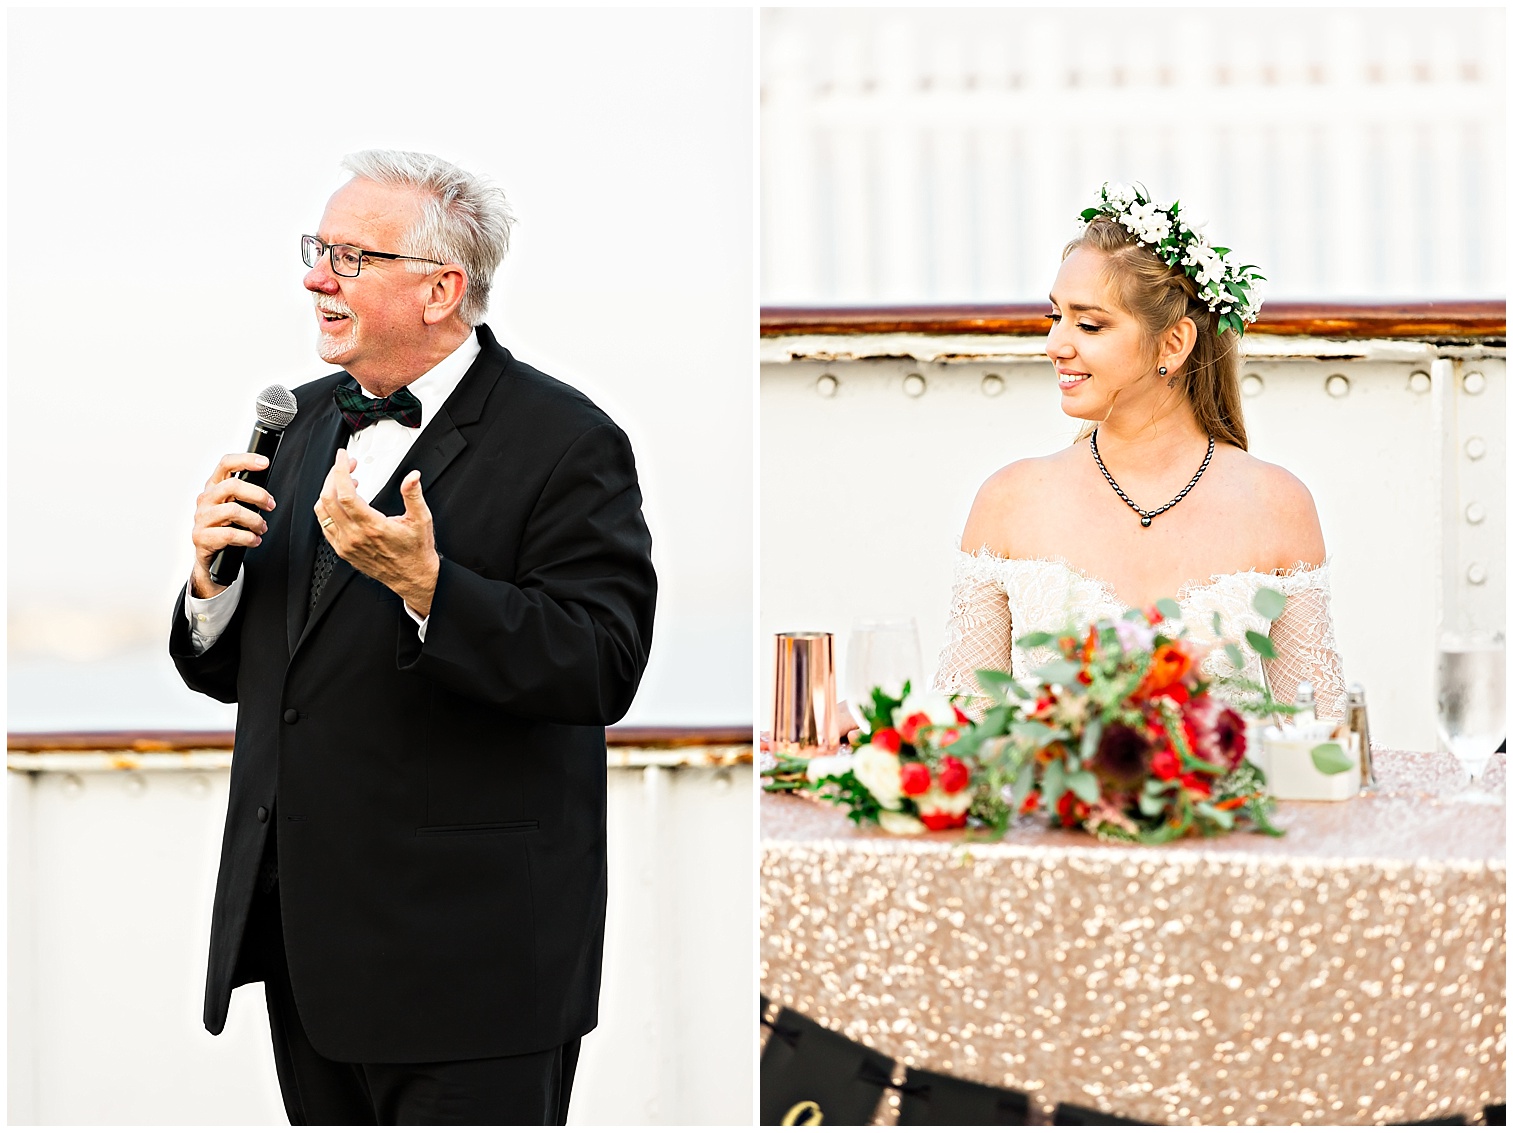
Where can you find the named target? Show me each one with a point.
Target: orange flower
(1169, 664)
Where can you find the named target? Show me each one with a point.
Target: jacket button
(262, 814)
(290, 716)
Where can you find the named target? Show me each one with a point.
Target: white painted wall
(163, 163)
(865, 493)
(918, 154)
(111, 876)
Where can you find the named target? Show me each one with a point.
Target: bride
(1158, 496)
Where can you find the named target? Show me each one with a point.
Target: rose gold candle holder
(804, 712)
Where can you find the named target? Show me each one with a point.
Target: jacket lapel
(437, 446)
(319, 454)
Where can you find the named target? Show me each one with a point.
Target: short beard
(333, 344)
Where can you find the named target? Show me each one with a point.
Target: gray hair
(464, 219)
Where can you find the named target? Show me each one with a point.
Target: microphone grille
(276, 407)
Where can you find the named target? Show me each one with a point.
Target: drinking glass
(881, 654)
(1472, 719)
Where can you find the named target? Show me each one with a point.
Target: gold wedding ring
(327, 522)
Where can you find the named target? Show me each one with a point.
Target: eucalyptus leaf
(1024, 784)
(1268, 603)
(1218, 624)
(1034, 640)
(995, 721)
(1059, 673)
(1261, 644)
(1169, 608)
(1032, 731)
(1221, 817)
(1236, 658)
(1151, 805)
(1331, 759)
(1084, 784)
(1053, 783)
(1092, 735)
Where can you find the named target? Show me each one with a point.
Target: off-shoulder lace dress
(995, 600)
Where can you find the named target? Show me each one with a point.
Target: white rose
(878, 770)
(936, 705)
(897, 822)
(823, 765)
(936, 801)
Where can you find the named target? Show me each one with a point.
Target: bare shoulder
(1003, 500)
(1291, 518)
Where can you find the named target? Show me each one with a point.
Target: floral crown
(1229, 291)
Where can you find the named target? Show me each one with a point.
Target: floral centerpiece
(899, 773)
(1121, 734)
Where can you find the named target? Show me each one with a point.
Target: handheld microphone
(276, 407)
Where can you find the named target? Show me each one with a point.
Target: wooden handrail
(163, 740)
(1428, 321)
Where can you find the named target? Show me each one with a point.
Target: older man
(446, 597)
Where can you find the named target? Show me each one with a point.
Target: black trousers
(525, 1089)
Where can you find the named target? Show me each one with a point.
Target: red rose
(913, 779)
(1177, 693)
(948, 737)
(942, 821)
(961, 717)
(888, 739)
(1154, 616)
(1044, 704)
(1031, 802)
(1165, 764)
(912, 725)
(1197, 785)
(1071, 809)
(954, 775)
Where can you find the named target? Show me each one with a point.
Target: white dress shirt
(379, 450)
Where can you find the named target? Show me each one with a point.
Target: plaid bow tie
(360, 411)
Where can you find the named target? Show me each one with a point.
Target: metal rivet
(1337, 385)
(1418, 382)
(135, 784)
(1476, 574)
(1251, 385)
(72, 785)
(914, 385)
(827, 385)
(1474, 382)
(992, 385)
(1476, 448)
(1475, 513)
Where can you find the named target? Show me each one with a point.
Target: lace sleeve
(1304, 641)
(978, 635)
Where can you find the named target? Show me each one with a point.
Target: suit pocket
(525, 826)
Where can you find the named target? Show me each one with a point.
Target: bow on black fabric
(813, 1076)
(928, 1098)
(359, 411)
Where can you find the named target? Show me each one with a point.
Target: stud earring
(1162, 371)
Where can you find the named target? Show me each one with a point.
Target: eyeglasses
(345, 259)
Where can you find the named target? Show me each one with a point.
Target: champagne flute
(881, 654)
(1472, 717)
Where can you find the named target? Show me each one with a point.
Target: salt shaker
(1355, 721)
(1305, 717)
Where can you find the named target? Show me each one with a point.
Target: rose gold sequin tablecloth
(1349, 973)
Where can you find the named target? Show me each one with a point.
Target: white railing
(919, 155)
(878, 428)
(112, 861)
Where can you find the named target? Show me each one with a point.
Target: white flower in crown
(1149, 223)
(1210, 265)
(1120, 196)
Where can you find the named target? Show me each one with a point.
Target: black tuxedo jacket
(440, 805)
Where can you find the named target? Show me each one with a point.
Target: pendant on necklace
(1145, 521)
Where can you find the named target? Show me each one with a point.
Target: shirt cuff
(209, 617)
(420, 622)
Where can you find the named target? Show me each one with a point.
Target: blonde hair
(1159, 297)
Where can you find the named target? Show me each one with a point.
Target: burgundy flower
(1216, 731)
(1120, 759)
